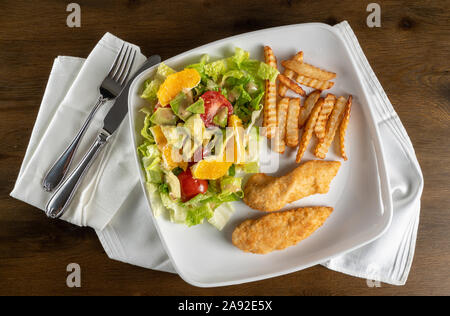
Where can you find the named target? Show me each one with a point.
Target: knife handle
(59, 169)
(62, 197)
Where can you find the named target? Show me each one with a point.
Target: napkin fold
(387, 259)
(111, 201)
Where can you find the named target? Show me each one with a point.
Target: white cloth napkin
(71, 92)
(125, 227)
(388, 259)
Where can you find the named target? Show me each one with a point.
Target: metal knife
(63, 195)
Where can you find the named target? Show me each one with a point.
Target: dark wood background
(409, 53)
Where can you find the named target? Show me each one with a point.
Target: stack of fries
(284, 117)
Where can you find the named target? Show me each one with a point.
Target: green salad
(199, 136)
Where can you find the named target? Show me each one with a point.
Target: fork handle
(63, 195)
(59, 169)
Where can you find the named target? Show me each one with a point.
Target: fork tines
(121, 67)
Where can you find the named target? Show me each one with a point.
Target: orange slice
(159, 137)
(175, 83)
(210, 170)
(172, 158)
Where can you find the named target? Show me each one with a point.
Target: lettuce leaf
(151, 86)
(267, 72)
(200, 66)
(232, 74)
(150, 89)
(145, 132)
(177, 212)
(197, 215)
(149, 153)
(215, 69)
(164, 71)
(158, 207)
(221, 216)
(151, 162)
(239, 57)
(229, 184)
(255, 103)
(199, 199)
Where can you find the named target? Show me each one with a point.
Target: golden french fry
(305, 110)
(298, 57)
(292, 122)
(270, 97)
(332, 125)
(291, 84)
(343, 127)
(282, 89)
(314, 83)
(269, 57)
(282, 110)
(270, 109)
(308, 70)
(327, 108)
(309, 128)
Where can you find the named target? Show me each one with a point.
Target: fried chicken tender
(267, 194)
(279, 230)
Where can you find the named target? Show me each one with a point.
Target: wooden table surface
(409, 53)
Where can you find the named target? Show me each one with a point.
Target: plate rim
(385, 189)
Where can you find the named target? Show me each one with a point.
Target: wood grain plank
(409, 54)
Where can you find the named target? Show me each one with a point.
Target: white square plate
(204, 256)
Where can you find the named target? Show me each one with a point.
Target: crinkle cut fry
(343, 127)
(314, 83)
(282, 111)
(327, 108)
(292, 122)
(332, 126)
(270, 109)
(308, 70)
(309, 128)
(270, 97)
(307, 107)
(282, 89)
(291, 84)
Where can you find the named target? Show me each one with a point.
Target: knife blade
(63, 195)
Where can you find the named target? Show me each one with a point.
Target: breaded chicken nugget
(267, 194)
(276, 231)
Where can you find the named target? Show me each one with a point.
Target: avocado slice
(180, 104)
(174, 185)
(195, 126)
(196, 129)
(197, 107)
(221, 117)
(164, 116)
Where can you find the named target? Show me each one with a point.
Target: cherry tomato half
(213, 102)
(190, 187)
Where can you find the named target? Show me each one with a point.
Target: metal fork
(109, 89)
